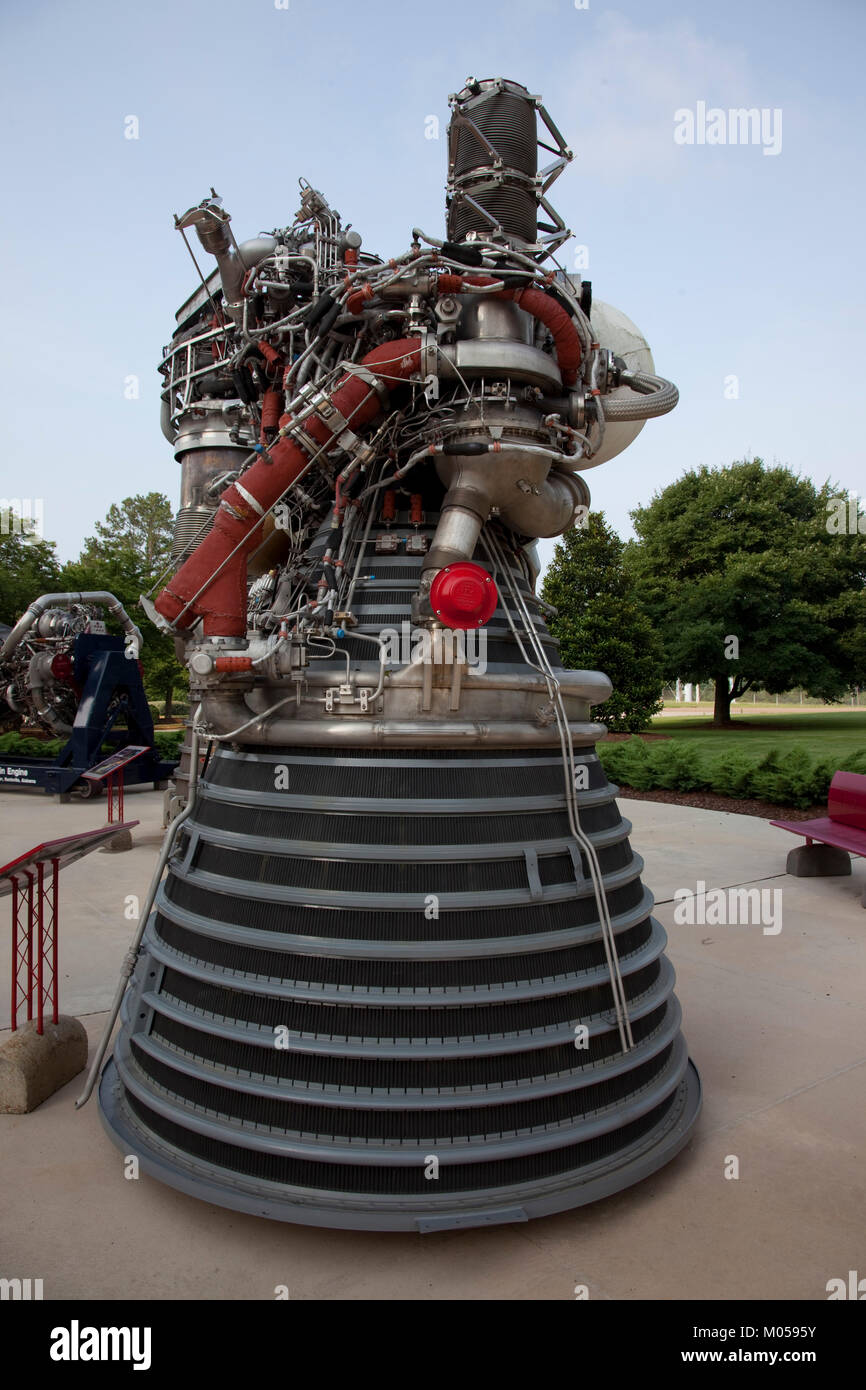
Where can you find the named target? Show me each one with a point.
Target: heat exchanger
(402, 972)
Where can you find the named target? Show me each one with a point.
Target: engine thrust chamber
(368, 966)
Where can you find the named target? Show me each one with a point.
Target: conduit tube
(657, 397)
(212, 583)
(542, 307)
(64, 600)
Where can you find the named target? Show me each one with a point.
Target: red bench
(831, 839)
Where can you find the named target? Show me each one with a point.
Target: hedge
(17, 746)
(789, 779)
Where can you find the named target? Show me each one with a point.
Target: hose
(541, 306)
(499, 562)
(656, 397)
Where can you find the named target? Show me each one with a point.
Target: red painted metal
(110, 770)
(35, 939)
(463, 595)
(55, 891)
(233, 663)
(212, 583)
(845, 823)
(40, 943)
(542, 307)
(272, 408)
(30, 924)
(115, 784)
(846, 802)
(13, 1007)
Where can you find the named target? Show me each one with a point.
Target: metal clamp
(378, 385)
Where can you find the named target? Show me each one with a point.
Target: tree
(601, 625)
(28, 567)
(140, 526)
(128, 555)
(748, 584)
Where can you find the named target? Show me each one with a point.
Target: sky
(741, 263)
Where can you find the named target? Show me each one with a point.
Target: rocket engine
(402, 972)
(37, 658)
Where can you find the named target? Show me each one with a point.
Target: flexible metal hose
(499, 563)
(656, 397)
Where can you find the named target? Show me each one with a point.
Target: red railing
(32, 879)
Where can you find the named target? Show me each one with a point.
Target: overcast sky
(735, 263)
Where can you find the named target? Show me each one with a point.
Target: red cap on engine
(463, 595)
(62, 667)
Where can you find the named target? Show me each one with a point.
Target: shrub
(730, 774)
(790, 778)
(628, 763)
(855, 762)
(168, 744)
(18, 745)
(822, 774)
(767, 777)
(677, 766)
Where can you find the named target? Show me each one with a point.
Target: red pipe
(542, 307)
(558, 320)
(223, 601)
(358, 299)
(233, 663)
(272, 406)
(270, 354)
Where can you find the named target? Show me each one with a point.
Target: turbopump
(402, 931)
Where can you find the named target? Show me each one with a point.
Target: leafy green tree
(601, 625)
(28, 567)
(128, 555)
(139, 526)
(748, 584)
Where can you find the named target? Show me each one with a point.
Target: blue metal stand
(111, 692)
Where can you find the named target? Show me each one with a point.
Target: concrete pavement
(774, 1020)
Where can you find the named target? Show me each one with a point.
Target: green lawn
(822, 736)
